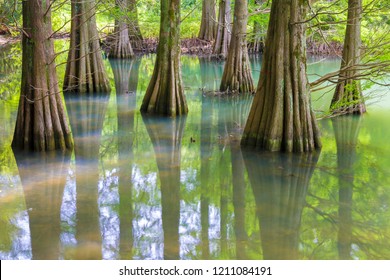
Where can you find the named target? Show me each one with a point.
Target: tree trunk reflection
(166, 135)
(86, 115)
(43, 176)
(280, 183)
(346, 130)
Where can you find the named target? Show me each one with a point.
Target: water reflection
(346, 130)
(184, 189)
(126, 82)
(43, 177)
(86, 115)
(166, 135)
(280, 183)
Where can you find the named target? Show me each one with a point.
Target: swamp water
(160, 188)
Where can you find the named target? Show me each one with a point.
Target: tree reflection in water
(346, 130)
(279, 183)
(166, 135)
(86, 115)
(126, 81)
(43, 176)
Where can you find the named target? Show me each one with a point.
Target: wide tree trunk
(120, 46)
(281, 118)
(222, 39)
(237, 75)
(208, 26)
(165, 93)
(41, 122)
(85, 70)
(348, 97)
(134, 30)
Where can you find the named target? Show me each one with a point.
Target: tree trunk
(222, 39)
(281, 118)
(85, 70)
(208, 26)
(134, 30)
(41, 121)
(348, 97)
(120, 47)
(237, 75)
(165, 93)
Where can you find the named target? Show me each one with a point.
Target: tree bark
(208, 26)
(237, 75)
(165, 93)
(85, 70)
(120, 47)
(348, 96)
(41, 121)
(222, 40)
(281, 118)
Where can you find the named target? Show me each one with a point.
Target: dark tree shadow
(346, 130)
(43, 176)
(86, 114)
(279, 183)
(166, 135)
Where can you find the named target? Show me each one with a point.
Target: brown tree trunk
(208, 26)
(222, 39)
(281, 118)
(237, 75)
(85, 70)
(120, 46)
(41, 121)
(165, 93)
(135, 34)
(348, 97)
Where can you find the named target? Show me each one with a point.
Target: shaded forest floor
(195, 46)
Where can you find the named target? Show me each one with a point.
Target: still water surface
(159, 188)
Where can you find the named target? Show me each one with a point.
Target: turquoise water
(162, 188)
